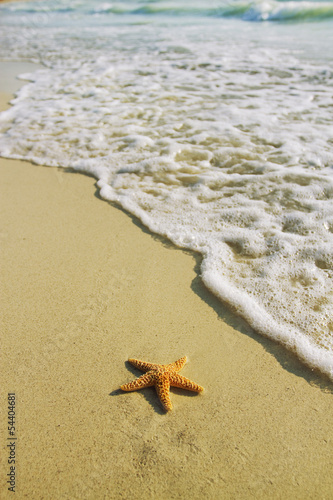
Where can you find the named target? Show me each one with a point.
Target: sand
(84, 287)
(9, 1)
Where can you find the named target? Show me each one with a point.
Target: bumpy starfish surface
(161, 376)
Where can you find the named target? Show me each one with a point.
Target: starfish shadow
(116, 392)
(151, 397)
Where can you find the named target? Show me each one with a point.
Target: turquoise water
(247, 10)
(212, 124)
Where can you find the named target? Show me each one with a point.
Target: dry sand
(84, 287)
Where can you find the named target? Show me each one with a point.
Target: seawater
(211, 123)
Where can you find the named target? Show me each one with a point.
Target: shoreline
(86, 286)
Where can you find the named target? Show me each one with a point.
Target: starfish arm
(162, 388)
(143, 365)
(177, 365)
(145, 380)
(184, 383)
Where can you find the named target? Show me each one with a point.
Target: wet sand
(84, 287)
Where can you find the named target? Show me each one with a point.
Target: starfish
(162, 377)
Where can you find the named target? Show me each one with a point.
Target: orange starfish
(162, 377)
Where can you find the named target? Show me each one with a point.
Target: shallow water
(212, 127)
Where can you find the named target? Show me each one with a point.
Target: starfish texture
(162, 377)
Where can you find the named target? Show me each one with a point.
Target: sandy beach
(84, 287)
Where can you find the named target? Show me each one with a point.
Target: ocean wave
(265, 10)
(288, 11)
(257, 11)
